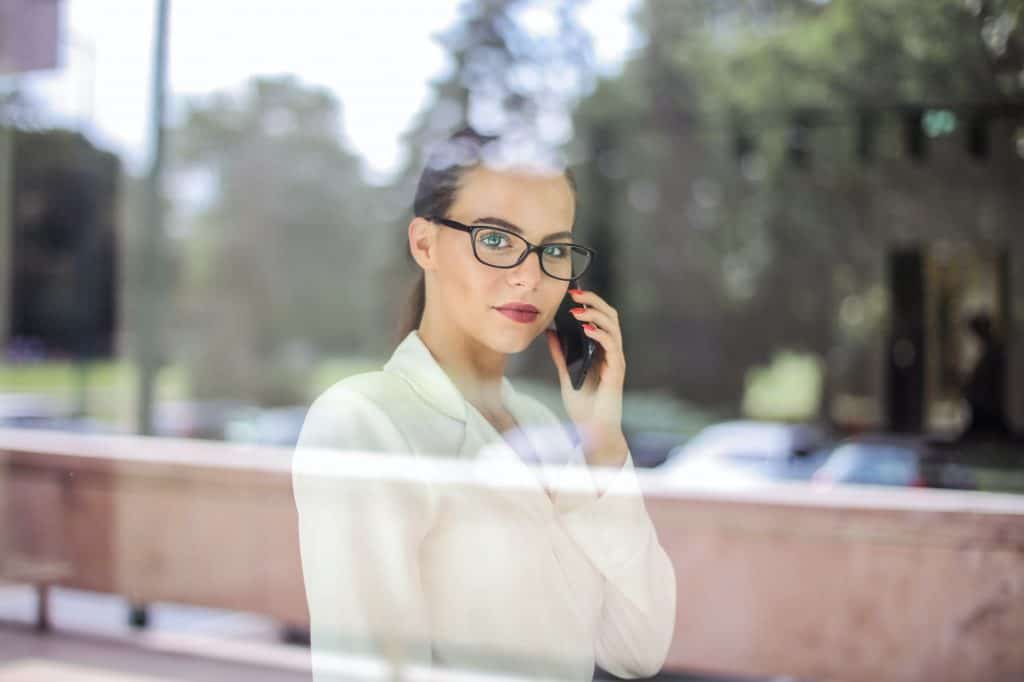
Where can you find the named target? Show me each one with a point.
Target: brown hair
(435, 194)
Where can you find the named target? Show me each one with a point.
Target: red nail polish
(575, 292)
(577, 311)
(589, 327)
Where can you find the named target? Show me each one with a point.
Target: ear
(423, 242)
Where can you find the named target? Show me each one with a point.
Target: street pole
(86, 291)
(151, 280)
(6, 218)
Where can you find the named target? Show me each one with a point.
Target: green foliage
(788, 389)
(282, 254)
(729, 249)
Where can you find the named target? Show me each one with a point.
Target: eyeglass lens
(503, 249)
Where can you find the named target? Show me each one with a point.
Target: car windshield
(871, 463)
(761, 461)
(742, 441)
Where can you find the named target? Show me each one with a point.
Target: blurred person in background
(517, 575)
(984, 388)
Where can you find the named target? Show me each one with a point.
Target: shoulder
(352, 413)
(350, 418)
(378, 388)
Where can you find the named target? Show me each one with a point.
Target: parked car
(205, 419)
(651, 448)
(266, 426)
(893, 460)
(37, 411)
(745, 452)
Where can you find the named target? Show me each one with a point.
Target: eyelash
(560, 244)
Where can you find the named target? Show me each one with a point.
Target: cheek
(488, 287)
(465, 278)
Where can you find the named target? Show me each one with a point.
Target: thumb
(555, 348)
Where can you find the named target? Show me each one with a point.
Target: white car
(747, 453)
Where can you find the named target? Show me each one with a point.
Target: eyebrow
(499, 222)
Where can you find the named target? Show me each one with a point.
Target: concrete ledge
(847, 584)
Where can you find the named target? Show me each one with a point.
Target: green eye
(492, 239)
(555, 251)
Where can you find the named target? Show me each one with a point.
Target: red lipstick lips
(520, 312)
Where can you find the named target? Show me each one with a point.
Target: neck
(476, 370)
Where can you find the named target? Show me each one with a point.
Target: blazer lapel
(414, 362)
(517, 468)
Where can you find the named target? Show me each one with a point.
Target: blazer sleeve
(639, 608)
(362, 514)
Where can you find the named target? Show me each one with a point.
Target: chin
(512, 343)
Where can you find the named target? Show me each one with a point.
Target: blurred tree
(517, 68)
(866, 78)
(282, 239)
(759, 150)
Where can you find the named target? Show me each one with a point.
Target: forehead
(541, 203)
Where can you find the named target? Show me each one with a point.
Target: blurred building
(63, 245)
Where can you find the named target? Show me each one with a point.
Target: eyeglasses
(501, 248)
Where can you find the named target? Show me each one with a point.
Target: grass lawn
(111, 388)
(111, 385)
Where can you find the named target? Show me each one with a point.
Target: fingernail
(577, 311)
(589, 327)
(575, 292)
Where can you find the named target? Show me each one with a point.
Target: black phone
(578, 349)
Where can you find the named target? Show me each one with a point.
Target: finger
(601, 320)
(590, 298)
(612, 351)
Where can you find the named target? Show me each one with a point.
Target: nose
(529, 272)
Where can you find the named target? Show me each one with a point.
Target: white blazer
(452, 553)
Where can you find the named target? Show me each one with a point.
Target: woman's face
(471, 292)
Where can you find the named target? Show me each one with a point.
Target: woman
(538, 569)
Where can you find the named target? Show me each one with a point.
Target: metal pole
(150, 284)
(6, 220)
(87, 292)
(8, 97)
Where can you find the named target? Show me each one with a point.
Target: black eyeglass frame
(530, 247)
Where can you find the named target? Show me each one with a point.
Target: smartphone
(578, 349)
